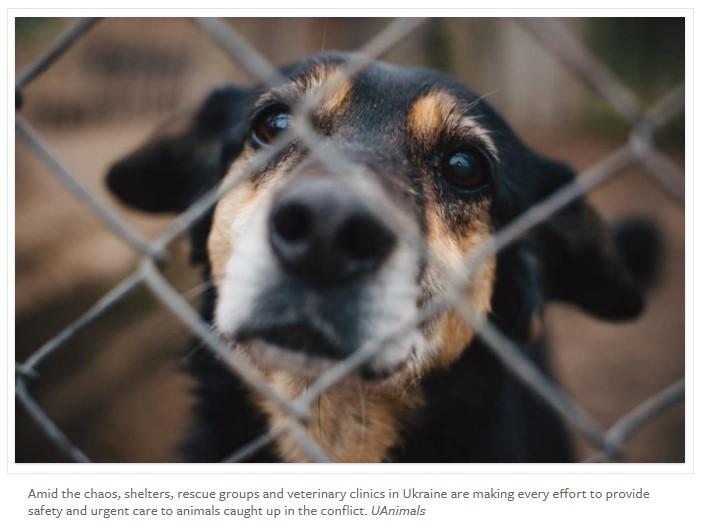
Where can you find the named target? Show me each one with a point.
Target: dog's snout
(324, 234)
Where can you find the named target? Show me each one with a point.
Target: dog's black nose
(324, 234)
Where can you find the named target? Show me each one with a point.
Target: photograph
(411, 240)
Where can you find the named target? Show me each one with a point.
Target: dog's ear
(173, 168)
(599, 268)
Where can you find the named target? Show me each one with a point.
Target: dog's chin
(306, 351)
(303, 338)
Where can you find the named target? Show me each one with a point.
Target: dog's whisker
(473, 104)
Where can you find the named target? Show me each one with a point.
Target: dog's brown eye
(465, 170)
(270, 124)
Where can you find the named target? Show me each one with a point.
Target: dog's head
(353, 225)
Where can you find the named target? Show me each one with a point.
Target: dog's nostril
(362, 238)
(293, 222)
(325, 235)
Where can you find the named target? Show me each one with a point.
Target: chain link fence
(639, 149)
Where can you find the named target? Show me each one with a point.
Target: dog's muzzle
(329, 245)
(318, 275)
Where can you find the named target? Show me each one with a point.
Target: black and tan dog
(310, 264)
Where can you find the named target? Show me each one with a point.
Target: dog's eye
(466, 169)
(271, 123)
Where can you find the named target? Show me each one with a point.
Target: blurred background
(118, 390)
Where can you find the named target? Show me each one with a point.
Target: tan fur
(352, 422)
(438, 111)
(333, 85)
(235, 207)
(427, 115)
(230, 213)
(326, 81)
(450, 250)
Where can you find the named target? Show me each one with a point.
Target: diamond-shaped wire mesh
(557, 40)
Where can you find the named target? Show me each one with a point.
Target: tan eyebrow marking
(427, 115)
(329, 78)
(332, 81)
(437, 111)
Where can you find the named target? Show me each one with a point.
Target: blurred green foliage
(28, 29)
(645, 54)
(648, 54)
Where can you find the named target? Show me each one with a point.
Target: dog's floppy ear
(599, 268)
(172, 169)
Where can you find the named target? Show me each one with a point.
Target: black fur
(476, 410)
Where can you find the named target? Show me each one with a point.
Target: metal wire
(74, 185)
(62, 45)
(639, 149)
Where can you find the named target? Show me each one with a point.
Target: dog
(327, 247)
